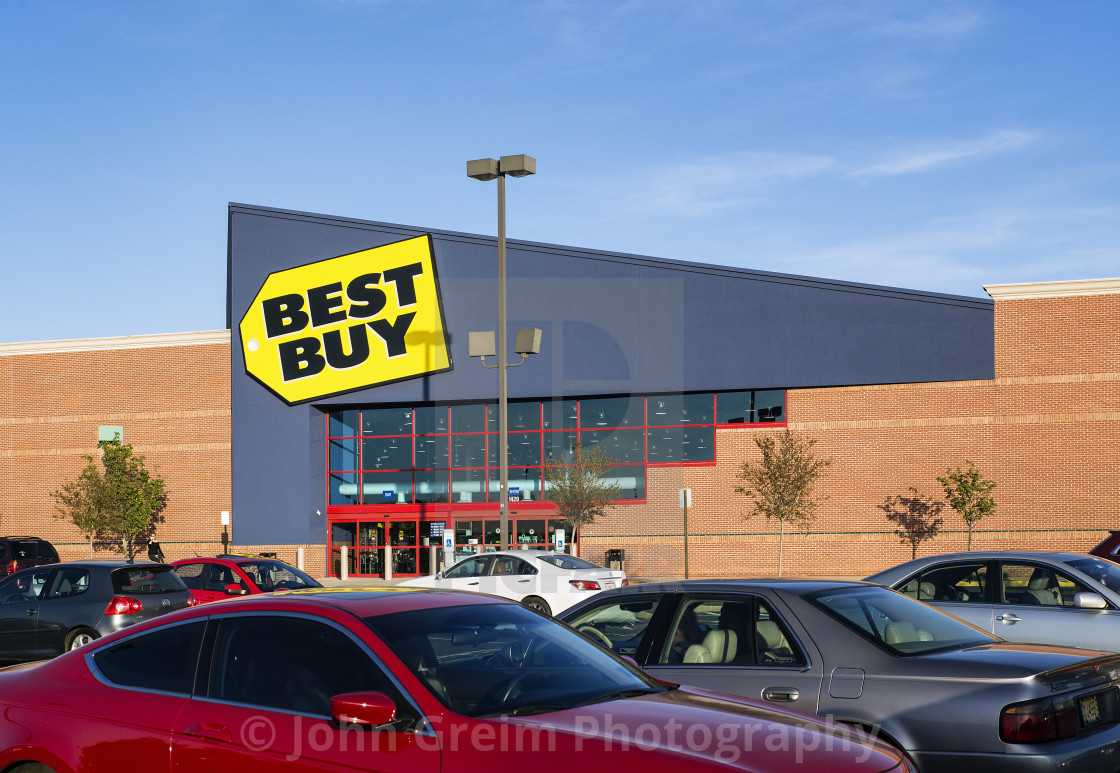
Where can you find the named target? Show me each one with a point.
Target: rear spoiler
(1084, 673)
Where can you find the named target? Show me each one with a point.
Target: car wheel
(32, 767)
(537, 603)
(80, 637)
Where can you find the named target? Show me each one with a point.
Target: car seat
(1042, 589)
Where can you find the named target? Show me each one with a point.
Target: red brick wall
(173, 403)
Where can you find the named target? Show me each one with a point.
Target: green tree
(917, 516)
(781, 484)
(970, 494)
(117, 501)
(578, 488)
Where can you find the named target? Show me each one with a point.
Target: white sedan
(550, 582)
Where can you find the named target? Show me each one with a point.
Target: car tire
(32, 767)
(537, 603)
(80, 637)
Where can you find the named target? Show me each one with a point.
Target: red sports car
(392, 681)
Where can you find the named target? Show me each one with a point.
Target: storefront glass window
(430, 420)
(387, 453)
(468, 450)
(431, 452)
(387, 421)
(561, 414)
(770, 405)
(449, 453)
(344, 454)
(611, 412)
(344, 488)
(468, 485)
(344, 423)
(386, 488)
(431, 486)
(468, 418)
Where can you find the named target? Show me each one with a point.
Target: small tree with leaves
(118, 500)
(781, 484)
(970, 494)
(578, 487)
(917, 516)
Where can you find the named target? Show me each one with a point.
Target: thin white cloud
(924, 158)
(715, 184)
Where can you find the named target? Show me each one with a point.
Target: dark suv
(23, 552)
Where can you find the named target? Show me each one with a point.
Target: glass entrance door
(403, 546)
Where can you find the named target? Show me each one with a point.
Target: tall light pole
(489, 169)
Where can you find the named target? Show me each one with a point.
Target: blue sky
(938, 145)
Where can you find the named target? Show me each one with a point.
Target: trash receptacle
(616, 558)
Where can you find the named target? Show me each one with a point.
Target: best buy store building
(359, 421)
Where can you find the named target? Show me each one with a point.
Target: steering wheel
(507, 692)
(594, 633)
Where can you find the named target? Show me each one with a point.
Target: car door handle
(473, 583)
(780, 694)
(524, 580)
(212, 730)
(1008, 618)
(31, 611)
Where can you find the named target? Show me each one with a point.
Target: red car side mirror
(363, 708)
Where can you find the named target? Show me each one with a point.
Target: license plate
(1090, 709)
(607, 584)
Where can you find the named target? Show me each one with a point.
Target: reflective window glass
(431, 452)
(343, 454)
(387, 421)
(431, 486)
(524, 416)
(735, 407)
(343, 488)
(610, 412)
(621, 445)
(672, 410)
(559, 446)
(561, 414)
(386, 488)
(430, 419)
(387, 453)
(769, 405)
(468, 485)
(343, 424)
(468, 418)
(468, 450)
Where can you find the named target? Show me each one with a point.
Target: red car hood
(698, 728)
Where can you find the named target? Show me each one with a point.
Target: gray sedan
(952, 696)
(1045, 598)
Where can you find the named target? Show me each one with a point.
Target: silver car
(952, 696)
(1045, 598)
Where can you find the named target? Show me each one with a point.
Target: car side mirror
(363, 708)
(236, 590)
(1089, 600)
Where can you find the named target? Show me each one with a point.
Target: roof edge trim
(1023, 290)
(202, 338)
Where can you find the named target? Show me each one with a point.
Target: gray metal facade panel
(612, 324)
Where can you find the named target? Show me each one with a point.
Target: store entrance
(373, 545)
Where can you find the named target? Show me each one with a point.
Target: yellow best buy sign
(347, 323)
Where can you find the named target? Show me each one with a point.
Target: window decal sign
(347, 323)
